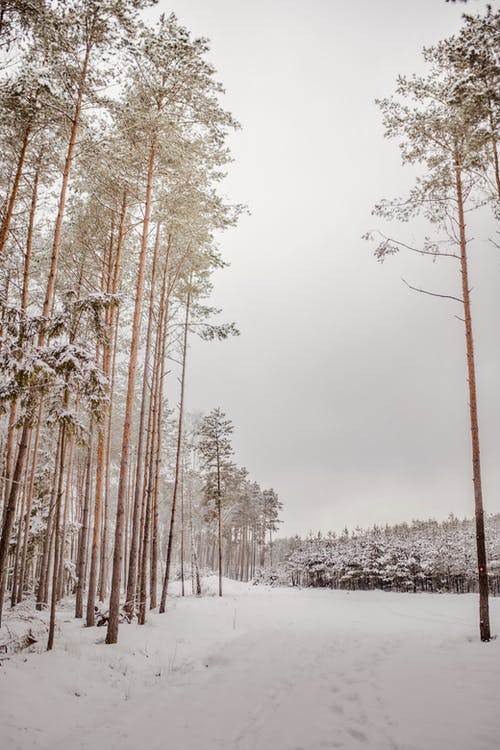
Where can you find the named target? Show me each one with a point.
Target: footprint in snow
(337, 709)
(352, 696)
(357, 735)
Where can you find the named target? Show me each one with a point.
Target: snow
(264, 669)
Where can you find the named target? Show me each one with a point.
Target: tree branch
(432, 294)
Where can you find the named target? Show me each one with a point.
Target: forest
(418, 556)
(113, 145)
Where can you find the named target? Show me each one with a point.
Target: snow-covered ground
(264, 669)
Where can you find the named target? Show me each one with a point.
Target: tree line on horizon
(421, 556)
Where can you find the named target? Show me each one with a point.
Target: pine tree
(215, 449)
(440, 132)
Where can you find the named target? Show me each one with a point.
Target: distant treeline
(421, 556)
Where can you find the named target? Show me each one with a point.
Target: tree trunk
(177, 455)
(134, 540)
(484, 620)
(158, 430)
(9, 450)
(49, 293)
(82, 542)
(67, 500)
(182, 529)
(27, 522)
(29, 239)
(109, 360)
(53, 602)
(147, 514)
(10, 511)
(196, 582)
(41, 594)
(96, 533)
(114, 604)
(17, 558)
(4, 230)
(494, 146)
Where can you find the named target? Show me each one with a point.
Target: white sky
(347, 391)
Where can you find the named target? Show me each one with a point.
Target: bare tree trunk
(160, 365)
(82, 543)
(17, 557)
(96, 533)
(9, 450)
(67, 497)
(219, 531)
(484, 619)
(194, 554)
(29, 239)
(182, 528)
(53, 602)
(29, 490)
(10, 511)
(128, 521)
(4, 229)
(494, 147)
(41, 594)
(177, 455)
(114, 604)
(96, 530)
(147, 514)
(51, 281)
(134, 541)
(109, 361)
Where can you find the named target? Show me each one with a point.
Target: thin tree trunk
(9, 450)
(45, 559)
(182, 529)
(134, 541)
(177, 455)
(219, 530)
(147, 464)
(96, 534)
(27, 522)
(49, 293)
(109, 361)
(162, 345)
(82, 543)
(17, 557)
(194, 553)
(484, 620)
(494, 146)
(114, 604)
(157, 456)
(10, 511)
(53, 602)
(67, 497)
(29, 239)
(4, 229)
(147, 514)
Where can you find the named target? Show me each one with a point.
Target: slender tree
(439, 132)
(215, 449)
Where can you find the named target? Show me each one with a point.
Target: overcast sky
(348, 392)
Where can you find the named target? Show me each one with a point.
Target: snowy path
(268, 670)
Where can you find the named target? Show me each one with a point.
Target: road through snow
(272, 669)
